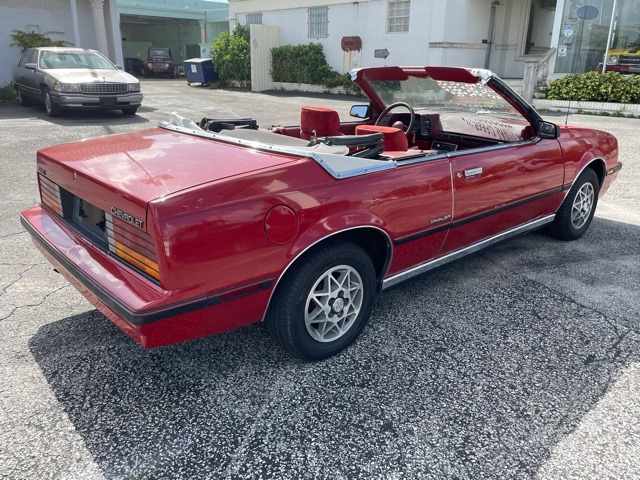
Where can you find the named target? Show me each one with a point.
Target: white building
(503, 35)
(117, 28)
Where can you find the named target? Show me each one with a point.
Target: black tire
(51, 108)
(22, 99)
(130, 110)
(145, 73)
(576, 212)
(294, 302)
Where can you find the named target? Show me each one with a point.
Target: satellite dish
(587, 12)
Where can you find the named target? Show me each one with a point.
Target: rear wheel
(52, 109)
(324, 301)
(145, 73)
(576, 212)
(24, 100)
(130, 110)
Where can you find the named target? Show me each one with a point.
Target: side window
(25, 57)
(34, 57)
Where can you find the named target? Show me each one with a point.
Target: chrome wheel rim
(333, 303)
(582, 206)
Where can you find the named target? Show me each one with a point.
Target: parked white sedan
(65, 78)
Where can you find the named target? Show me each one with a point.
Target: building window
(254, 18)
(318, 22)
(398, 16)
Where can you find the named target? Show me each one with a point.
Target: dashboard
(450, 131)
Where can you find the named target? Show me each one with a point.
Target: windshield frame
(363, 76)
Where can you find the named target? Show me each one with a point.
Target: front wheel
(576, 212)
(52, 109)
(324, 301)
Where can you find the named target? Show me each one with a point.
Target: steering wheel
(395, 105)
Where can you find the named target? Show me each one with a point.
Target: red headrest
(323, 120)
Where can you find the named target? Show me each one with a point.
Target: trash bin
(200, 70)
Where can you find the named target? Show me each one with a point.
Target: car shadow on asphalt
(477, 370)
(75, 117)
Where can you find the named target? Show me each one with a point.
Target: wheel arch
(374, 241)
(596, 163)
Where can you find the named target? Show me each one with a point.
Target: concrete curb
(574, 106)
(306, 87)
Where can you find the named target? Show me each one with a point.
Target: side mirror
(30, 66)
(119, 67)
(360, 111)
(548, 130)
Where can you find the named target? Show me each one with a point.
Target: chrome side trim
(294, 260)
(450, 257)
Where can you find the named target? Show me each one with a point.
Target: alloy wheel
(333, 303)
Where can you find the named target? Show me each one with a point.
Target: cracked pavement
(522, 361)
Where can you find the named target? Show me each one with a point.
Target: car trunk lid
(125, 172)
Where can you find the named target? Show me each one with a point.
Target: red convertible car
(193, 228)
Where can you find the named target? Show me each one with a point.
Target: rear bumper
(143, 310)
(105, 102)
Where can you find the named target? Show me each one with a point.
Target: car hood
(150, 164)
(85, 75)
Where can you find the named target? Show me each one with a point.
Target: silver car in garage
(65, 78)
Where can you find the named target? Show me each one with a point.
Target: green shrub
(594, 87)
(7, 93)
(26, 40)
(300, 64)
(307, 64)
(231, 55)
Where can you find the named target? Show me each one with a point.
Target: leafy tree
(231, 54)
(32, 39)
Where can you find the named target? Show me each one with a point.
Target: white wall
(440, 32)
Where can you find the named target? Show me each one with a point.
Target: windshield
(427, 93)
(75, 60)
(159, 52)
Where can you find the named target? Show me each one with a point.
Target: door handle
(473, 172)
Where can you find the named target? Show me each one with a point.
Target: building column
(97, 7)
(74, 21)
(203, 31)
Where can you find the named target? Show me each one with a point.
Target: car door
(32, 77)
(499, 188)
(20, 72)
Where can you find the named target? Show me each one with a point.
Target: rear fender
(333, 227)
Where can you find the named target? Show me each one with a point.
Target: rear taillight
(132, 246)
(50, 194)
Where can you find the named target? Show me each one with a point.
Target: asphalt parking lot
(522, 361)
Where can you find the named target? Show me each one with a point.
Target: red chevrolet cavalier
(190, 229)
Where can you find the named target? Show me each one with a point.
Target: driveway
(522, 361)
